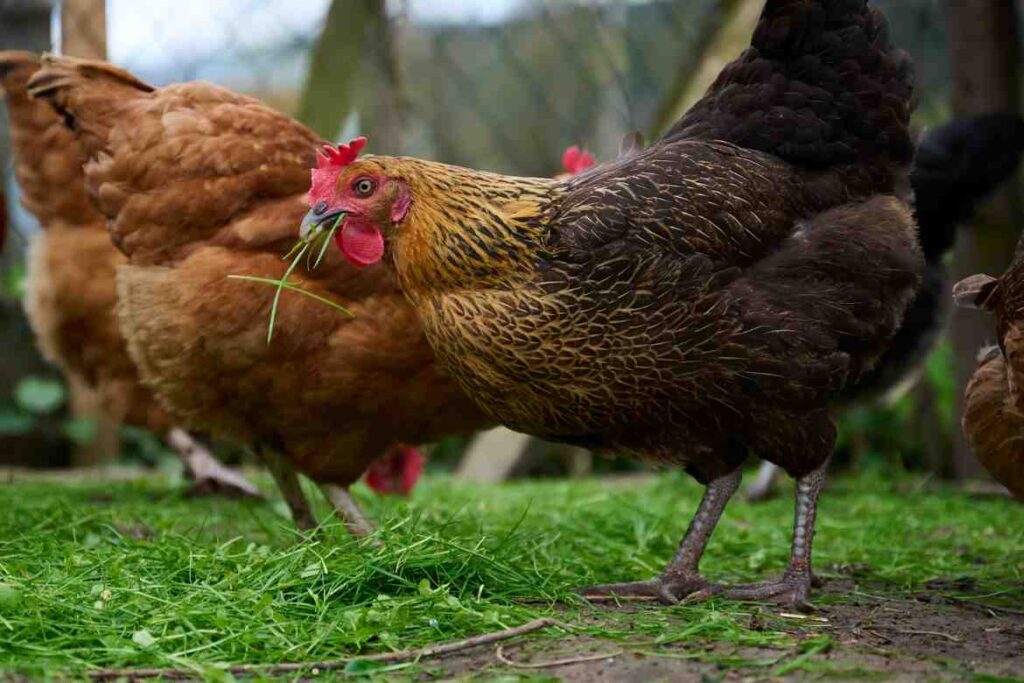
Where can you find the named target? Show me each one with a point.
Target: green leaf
(80, 430)
(143, 638)
(10, 597)
(39, 395)
(16, 424)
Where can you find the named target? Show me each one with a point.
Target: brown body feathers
(70, 292)
(993, 419)
(202, 183)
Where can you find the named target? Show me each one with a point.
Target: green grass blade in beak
(328, 238)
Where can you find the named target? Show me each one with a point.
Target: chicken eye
(364, 187)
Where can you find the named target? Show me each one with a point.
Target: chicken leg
(795, 584)
(681, 577)
(206, 472)
(765, 485)
(348, 510)
(288, 483)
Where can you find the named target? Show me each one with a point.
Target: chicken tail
(820, 85)
(87, 94)
(48, 161)
(957, 166)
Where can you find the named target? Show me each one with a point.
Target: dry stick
(386, 657)
(985, 605)
(915, 632)
(500, 654)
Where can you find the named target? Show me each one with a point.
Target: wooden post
(983, 46)
(83, 33)
(83, 28)
(354, 68)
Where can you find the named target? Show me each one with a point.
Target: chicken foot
(207, 473)
(291, 489)
(681, 577)
(794, 586)
(348, 510)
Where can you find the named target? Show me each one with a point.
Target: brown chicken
(201, 183)
(993, 419)
(701, 299)
(70, 292)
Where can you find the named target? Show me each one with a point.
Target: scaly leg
(681, 577)
(345, 506)
(794, 587)
(207, 473)
(288, 483)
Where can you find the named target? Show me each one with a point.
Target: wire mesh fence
(503, 84)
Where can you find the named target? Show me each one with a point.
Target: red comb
(342, 155)
(576, 160)
(329, 162)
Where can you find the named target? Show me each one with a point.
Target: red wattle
(397, 472)
(361, 243)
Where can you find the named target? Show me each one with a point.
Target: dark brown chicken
(201, 183)
(993, 419)
(70, 292)
(956, 167)
(688, 304)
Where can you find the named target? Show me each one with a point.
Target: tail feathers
(85, 93)
(821, 85)
(958, 166)
(47, 159)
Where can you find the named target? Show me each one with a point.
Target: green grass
(133, 574)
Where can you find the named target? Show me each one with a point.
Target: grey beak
(312, 220)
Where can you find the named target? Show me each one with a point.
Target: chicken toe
(207, 473)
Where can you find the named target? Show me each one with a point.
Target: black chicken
(957, 166)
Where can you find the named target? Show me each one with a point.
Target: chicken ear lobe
(400, 207)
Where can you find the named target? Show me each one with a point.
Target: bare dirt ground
(920, 637)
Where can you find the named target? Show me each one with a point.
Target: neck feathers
(469, 229)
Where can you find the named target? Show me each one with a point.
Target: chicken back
(70, 294)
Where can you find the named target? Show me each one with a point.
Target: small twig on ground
(914, 632)
(984, 605)
(291, 667)
(803, 617)
(620, 599)
(500, 654)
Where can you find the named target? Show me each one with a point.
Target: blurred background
(505, 85)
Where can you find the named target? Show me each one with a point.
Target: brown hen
(201, 183)
(70, 289)
(993, 419)
(698, 300)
